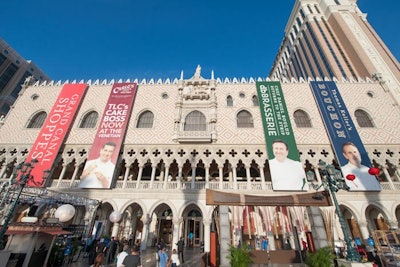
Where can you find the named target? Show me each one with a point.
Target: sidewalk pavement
(192, 257)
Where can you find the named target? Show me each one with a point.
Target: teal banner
(287, 171)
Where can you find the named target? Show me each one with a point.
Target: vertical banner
(287, 172)
(344, 137)
(54, 130)
(100, 165)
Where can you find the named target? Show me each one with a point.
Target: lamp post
(333, 181)
(23, 171)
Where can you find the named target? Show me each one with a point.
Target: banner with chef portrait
(287, 172)
(349, 149)
(100, 165)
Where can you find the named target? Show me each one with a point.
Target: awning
(55, 232)
(318, 199)
(18, 232)
(28, 229)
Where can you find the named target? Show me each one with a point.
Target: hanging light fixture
(115, 216)
(65, 212)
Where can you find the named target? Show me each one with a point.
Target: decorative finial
(212, 74)
(181, 74)
(198, 72)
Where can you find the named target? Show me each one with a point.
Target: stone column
(262, 176)
(175, 236)
(248, 177)
(317, 175)
(76, 169)
(363, 225)
(207, 230)
(221, 177)
(225, 237)
(115, 228)
(193, 177)
(133, 225)
(127, 166)
(234, 178)
(166, 177)
(179, 177)
(207, 177)
(146, 221)
(139, 177)
(62, 174)
(153, 175)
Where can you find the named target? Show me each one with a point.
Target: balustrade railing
(185, 186)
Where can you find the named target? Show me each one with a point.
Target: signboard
(349, 149)
(287, 172)
(100, 165)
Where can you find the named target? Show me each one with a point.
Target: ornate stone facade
(163, 170)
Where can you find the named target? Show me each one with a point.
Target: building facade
(334, 39)
(14, 72)
(188, 135)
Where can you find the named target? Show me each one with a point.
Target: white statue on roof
(197, 72)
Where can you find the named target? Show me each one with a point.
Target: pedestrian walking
(174, 259)
(163, 257)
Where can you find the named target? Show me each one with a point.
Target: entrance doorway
(164, 226)
(194, 233)
(194, 228)
(165, 231)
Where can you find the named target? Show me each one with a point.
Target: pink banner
(100, 165)
(54, 130)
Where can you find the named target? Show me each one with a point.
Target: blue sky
(104, 39)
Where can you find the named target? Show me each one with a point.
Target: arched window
(229, 101)
(301, 119)
(244, 119)
(145, 120)
(363, 119)
(255, 101)
(195, 121)
(37, 120)
(89, 120)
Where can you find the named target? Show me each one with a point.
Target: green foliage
(322, 257)
(239, 257)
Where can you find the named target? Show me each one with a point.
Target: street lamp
(333, 181)
(21, 176)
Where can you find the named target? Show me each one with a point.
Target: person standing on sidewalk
(133, 260)
(181, 245)
(121, 256)
(163, 256)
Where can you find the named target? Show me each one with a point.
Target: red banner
(100, 165)
(54, 130)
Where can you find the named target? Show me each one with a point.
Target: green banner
(287, 172)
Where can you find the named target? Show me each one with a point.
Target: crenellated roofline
(225, 80)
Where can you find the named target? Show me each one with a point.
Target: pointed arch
(37, 120)
(244, 119)
(145, 120)
(301, 119)
(364, 120)
(89, 120)
(254, 99)
(195, 121)
(229, 101)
